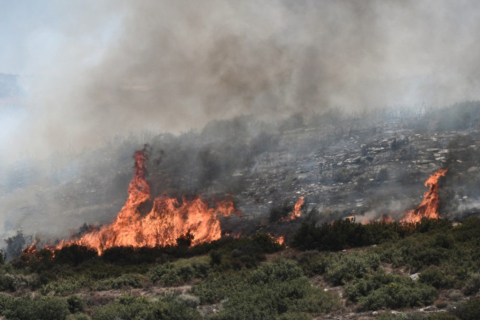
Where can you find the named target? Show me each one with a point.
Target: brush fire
(168, 220)
(429, 208)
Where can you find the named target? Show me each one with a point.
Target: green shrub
(441, 316)
(294, 316)
(42, 308)
(346, 267)
(167, 308)
(436, 277)
(75, 304)
(6, 302)
(65, 286)
(280, 271)
(314, 263)
(389, 291)
(274, 289)
(180, 272)
(473, 284)
(78, 316)
(469, 310)
(124, 281)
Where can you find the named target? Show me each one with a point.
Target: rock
(415, 276)
(472, 169)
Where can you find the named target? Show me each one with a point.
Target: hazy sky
(33, 34)
(20, 22)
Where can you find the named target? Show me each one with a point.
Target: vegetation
(252, 278)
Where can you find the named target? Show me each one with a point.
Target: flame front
(430, 204)
(167, 221)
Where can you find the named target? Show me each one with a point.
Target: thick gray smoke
(174, 65)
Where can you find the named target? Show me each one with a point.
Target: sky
(19, 23)
(33, 33)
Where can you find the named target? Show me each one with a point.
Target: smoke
(175, 65)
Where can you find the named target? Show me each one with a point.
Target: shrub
(274, 289)
(74, 254)
(389, 291)
(65, 286)
(441, 316)
(167, 308)
(473, 284)
(344, 268)
(469, 310)
(179, 272)
(78, 316)
(75, 304)
(42, 308)
(436, 277)
(294, 316)
(124, 281)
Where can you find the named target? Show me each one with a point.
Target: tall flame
(167, 221)
(297, 210)
(430, 204)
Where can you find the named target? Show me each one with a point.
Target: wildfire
(167, 221)
(297, 210)
(429, 206)
(32, 248)
(278, 239)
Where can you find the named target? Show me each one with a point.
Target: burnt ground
(365, 166)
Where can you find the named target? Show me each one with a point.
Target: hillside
(374, 271)
(339, 254)
(343, 165)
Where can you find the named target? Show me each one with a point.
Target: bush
(344, 268)
(469, 310)
(473, 285)
(294, 316)
(78, 316)
(124, 281)
(179, 272)
(75, 304)
(342, 234)
(42, 308)
(441, 316)
(389, 291)
(280, 271)
(126, 307)
(436, 277)
(65, 286)
(74, 254)
(274, 289)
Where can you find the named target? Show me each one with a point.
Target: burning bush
(279, 212)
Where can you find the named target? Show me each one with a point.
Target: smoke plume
(174, 65)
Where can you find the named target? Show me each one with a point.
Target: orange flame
(32, 249)
(297, 210)
(278, 239)
(430, 204)
(167, 221)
